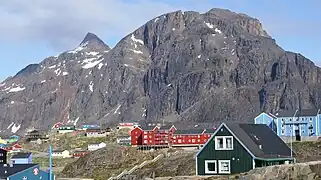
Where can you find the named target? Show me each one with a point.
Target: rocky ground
(113, 160)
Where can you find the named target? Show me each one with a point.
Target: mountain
(182, 67)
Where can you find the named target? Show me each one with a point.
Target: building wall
(240, 159)
(30, 175)
(264, 118)
(307, 126)
(136, 136)
(65, 131)
(64, 154)
(3, 157)
(96, 134)
(20, 161)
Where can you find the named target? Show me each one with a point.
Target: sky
(33, 31)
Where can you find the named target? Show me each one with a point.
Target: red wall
(165, 137)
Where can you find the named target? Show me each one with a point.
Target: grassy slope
(68, 141)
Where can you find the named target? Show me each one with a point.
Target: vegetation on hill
(106, 162)
(114, 159)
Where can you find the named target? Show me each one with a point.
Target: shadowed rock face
(182, 67)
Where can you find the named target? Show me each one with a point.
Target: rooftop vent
(260, 146)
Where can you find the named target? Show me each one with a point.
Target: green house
(236, 148)
(66, 129)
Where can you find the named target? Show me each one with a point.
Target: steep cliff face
(182, 67)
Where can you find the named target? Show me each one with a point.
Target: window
(229, 143)
(145, 136)
(224, 143)
(193, 140)
(145, 141)
(224, 166)
(179, 141)
(210, 167)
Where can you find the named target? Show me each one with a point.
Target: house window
(145, 141)
(145, 136)
(224, 143)
(224, 166)
(210, 167)
(179, 141)
(193, 140)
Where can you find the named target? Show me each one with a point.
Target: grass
(57, 163)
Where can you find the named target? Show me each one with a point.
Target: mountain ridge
(181, 67)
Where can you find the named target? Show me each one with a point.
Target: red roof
(17, 146)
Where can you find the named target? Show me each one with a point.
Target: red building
(151, 135)
(169, 136)
(191, 137)
(78, 154)
(14, 148)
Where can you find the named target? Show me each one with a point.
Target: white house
(96, 133)
(94, 147)
(123, 140)
(127, 125)
(61, 154)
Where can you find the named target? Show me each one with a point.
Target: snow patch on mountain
(91, 86)
(211, 26)
(137, 52)
(15, 128)
(79, 48)
(16, 89)
(136, 40)
(10, 125)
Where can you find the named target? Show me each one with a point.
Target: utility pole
(50, 163)
(292, 133)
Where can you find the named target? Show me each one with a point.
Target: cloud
(62, 24)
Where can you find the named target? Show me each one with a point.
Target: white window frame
(220, 169)
(224, 142)
(206, 167)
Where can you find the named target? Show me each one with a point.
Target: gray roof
(21, 155)
(189, 131)
(210, 131)
(165, 127)
(255, 135)
(147, 128)
(300, 113)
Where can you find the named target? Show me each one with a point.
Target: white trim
(263, 119)
(229, 166)
(196, 172)
(224, 143)
(253, 163)
(213, 135)
(206, 166)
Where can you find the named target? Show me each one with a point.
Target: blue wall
(30, 175)
(22, 160)
(285, 126)
(264, 118)
(307, 126)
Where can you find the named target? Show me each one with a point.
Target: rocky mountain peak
(248, 23)
(182, 67)
(93, 42)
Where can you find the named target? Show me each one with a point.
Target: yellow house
(61, 154)
(2, 141)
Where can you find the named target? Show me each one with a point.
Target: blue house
(23, 172)
(90, 126)
(268, 119)
(22, 158)
(301, 122)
